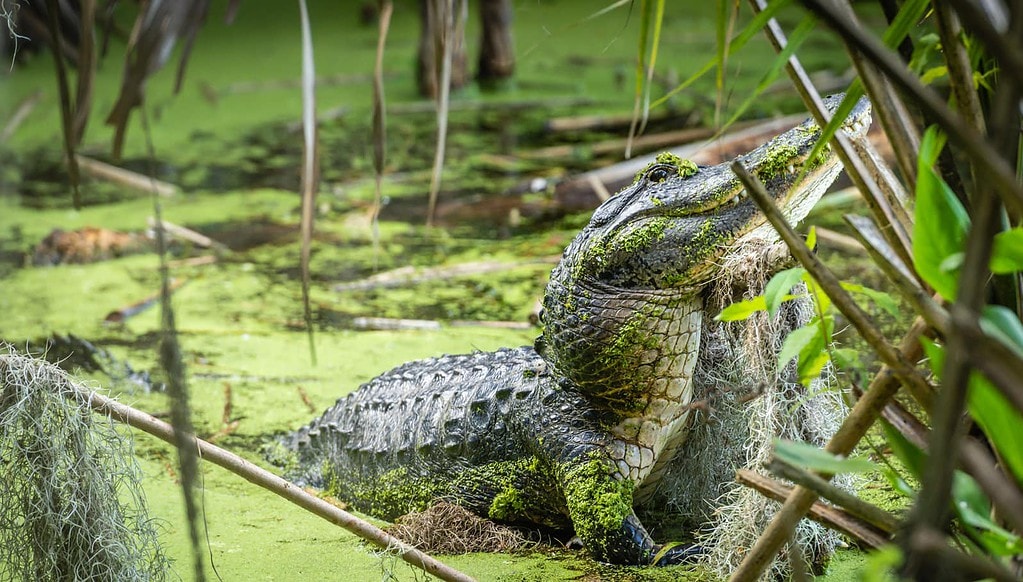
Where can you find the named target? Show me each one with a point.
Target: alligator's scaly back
(573, 432)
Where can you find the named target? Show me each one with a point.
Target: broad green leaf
(742, 309)
(973, 509)
(910, 455)
(809, 345)
(941, 222)
(815, 356)
(796, 341)
(819, 296)
(777, 289)
(1001, 323)
(1007, 254)
(883, 300)
(847, 358)
(817, 459)
(997, 417)
(811, 238)
(999, 420)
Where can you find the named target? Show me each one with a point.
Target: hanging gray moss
(71, 501)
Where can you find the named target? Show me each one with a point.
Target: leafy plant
(945, 80)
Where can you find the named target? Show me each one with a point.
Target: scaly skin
(570, 433)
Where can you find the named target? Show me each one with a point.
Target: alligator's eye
(658, 174)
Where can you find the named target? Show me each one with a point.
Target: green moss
(683, 167)
(598, 501)
(777, 161)
(392, 494)
(507, 505)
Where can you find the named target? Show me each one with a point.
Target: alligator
(574, 432)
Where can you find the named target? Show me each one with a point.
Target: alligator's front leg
(572, 438)
(599, 502)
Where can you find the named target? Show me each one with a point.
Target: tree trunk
(435, 15)
(497, 52)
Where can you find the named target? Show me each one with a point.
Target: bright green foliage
(809, 344)
(939, 231)
(1007, 254)
(1000, 422)
(777, 289)
(816, 459)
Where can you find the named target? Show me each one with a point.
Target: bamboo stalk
(273, 483)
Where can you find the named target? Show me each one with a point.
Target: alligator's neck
(629, 351)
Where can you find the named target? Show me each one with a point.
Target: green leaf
(973, 509)
(742, 309)
(908, 17)
(777, 289)
(883, 300)
(819, 296)
(847, 358)
(939, 229)
(811, 238)
(1007, 254)
(1001, 323)
(880, 564)
(808, 344)
(999, 420)
(817, 459)
(910, 455)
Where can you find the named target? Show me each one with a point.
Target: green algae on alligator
(578, 431)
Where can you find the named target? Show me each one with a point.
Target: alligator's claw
(679, 553)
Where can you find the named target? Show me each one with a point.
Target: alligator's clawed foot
(678, 553)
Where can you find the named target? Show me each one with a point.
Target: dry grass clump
(71, 501)
(446, 528)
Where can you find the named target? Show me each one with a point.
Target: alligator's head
(627, 288)
(673, 225)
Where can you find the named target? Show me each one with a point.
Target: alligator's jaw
(622, 310)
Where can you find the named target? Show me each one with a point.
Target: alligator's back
(425, 421)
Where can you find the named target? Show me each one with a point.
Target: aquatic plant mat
(446, 528)
(71, 502)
